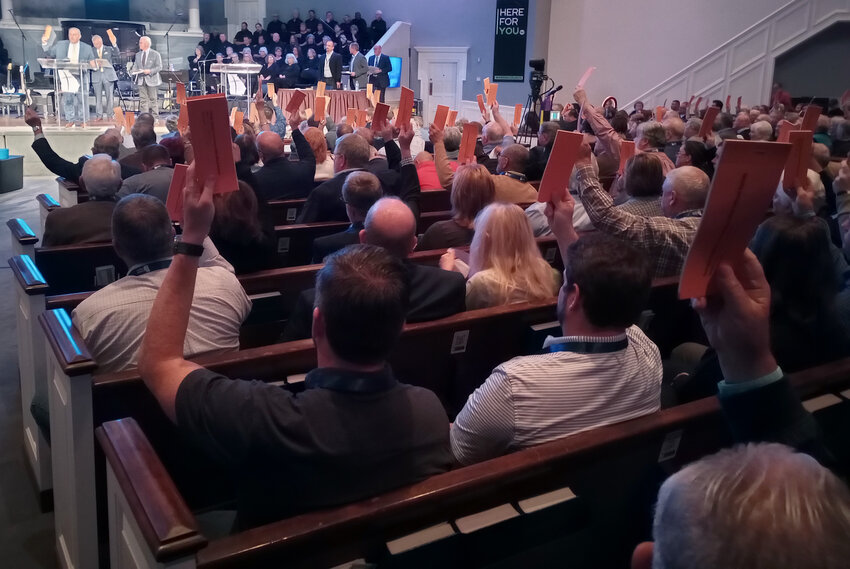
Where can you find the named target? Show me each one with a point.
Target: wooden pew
(46, 204)
(451, 356)
(611, 472)
(23, 237)
(70, 193)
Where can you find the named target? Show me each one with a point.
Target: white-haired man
(77, 52)
(147, 65)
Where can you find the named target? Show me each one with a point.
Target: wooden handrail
(167, 524)
(68, 346)
(21, 232)
(46, 201)
(27, 274)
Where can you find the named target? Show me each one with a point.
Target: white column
(194, 16)
(5, 6)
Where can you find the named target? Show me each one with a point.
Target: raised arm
(410, 189)
(606, 136)
(161, 362)
(441, 158)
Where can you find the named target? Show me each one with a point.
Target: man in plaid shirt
(666, 238)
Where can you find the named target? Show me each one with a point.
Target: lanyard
(149, 267)
(514, 175)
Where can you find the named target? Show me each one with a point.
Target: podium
(70, 78)
(234, 70)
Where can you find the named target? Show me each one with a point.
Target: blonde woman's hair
(472, 190)
(504, 243)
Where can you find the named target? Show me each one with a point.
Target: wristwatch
(190, 249)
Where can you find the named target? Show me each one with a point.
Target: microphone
(137, 34)
(553, 90)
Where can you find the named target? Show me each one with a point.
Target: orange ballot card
(627, 150)
(810, 119)
(238, 125)
(583, 81)
(369, 90)
(181, 93)
(466, 153)
(211, 142)
(481, 105)
(556, 176)
(376, 97)
(741, 192)
(738, 108)
(486, 85)
(321, 108)
(696, 106)
(517, 114)
(111, 35)
(233, 112)
(659, 113)
(379, 119)
(785, 129)
(405, 107)
(797, 164)
(253, 116)
(708, 121)
(691, 100)
(295, 101)
(440, 117)
(351, 117)
(174, 201)
(450, 120)
(183, 120)
(272, 93)
(491, 93)
(131, 120)
(362, 117)
(320, 89)
(728, 106)
(119, 116)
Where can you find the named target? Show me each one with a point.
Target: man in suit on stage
(359, 67)
(380, 77)
(330, 63)
(75, 51)
(103, 78)
(148, 63)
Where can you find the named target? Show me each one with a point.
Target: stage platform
(69, 143)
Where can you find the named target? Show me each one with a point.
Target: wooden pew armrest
(67, 184)
(28, 275)
(67, 344)
(21, 231)
(46, 201)
(66, 301)
(165, 520)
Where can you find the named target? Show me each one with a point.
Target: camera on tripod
(537, 76)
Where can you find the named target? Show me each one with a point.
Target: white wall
(635, 49)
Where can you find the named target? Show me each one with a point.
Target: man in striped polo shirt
(602, 370)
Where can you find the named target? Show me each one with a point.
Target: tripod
(531, 113)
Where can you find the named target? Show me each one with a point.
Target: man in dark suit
(380, 67)
(359, 192)
(352, 154)
(143, 135)
(106, 143)
(538, 156)
(434, 293)
(378, 27)
(330, 67)
(281, 178)
(90, 221)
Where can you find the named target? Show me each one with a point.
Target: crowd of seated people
(292, 52)
(785, 308)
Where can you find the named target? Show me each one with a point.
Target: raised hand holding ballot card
(405, 107)
(466, 152)
(213, 148)
(379, 119)
(174, 201)
(440, 117)
(556, 176)
(627, 150)
(708, 121)
(741, 193)
(296, 101)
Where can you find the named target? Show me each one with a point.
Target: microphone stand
(167, 41)
(23, 38)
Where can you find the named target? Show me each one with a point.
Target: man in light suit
(148, 63)
(103, 78)
(359, 67)
(75, 51)
(381, 78)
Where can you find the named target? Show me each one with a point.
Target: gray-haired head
(101, 176)
(755, 506)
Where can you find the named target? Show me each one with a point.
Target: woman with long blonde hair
(505, 264)
(324, 161)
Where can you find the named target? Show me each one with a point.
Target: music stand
(60, 65)
(171, 77)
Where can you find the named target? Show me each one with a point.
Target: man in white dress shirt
(112, 320)
(601, 371)
(75, 51)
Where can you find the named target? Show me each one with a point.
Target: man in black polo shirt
(353, 433)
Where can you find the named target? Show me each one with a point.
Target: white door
(441, 88)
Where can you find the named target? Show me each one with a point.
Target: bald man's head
(390, 224)
(270, 146)
(365, 133)
(684, 189)
(514, 158)
(492, 133)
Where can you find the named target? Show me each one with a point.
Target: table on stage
(340, 101)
